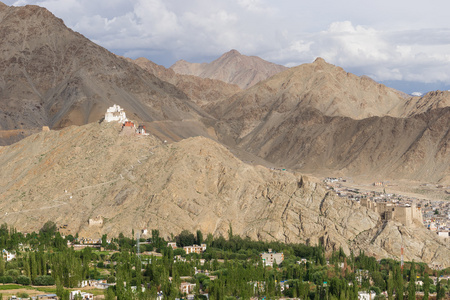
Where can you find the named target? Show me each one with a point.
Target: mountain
(55, 77)
(427, 102)
(231, 67)
(135, 182)
(202, 91)
(318, 85)
(319, 118)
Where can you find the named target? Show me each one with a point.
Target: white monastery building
(115, 114)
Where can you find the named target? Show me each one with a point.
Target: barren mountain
(136, 182)
(202, 91)
(50, 75)
(319, 118)
(231, 67)
(318, 85)
(431, 100)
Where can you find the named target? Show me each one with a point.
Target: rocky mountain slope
(202, 91)
(318, 85)
(50, 75)
(429, 101)
(318, 118)
(136, 182)
(232, 67)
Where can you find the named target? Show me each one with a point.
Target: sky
(402, 43)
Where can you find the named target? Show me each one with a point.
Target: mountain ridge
(231, 67)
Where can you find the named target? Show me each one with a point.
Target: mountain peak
(320, 60)
(232, 67)
(232, 52)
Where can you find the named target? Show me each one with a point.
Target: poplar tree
(426, 286)
(412, 282)
(26, 265)
(33, 266)
(398, 281)
(2, 266)
(440, 292)
(390, 287)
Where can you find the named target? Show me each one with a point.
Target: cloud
(383, 55)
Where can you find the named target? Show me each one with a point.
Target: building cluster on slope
(434, 215)
(116, 114)
(189, 249)
(406, 214)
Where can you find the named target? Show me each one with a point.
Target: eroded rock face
(136, 182)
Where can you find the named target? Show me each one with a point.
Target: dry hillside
(136, 182)
(202, 91)
(232, 67)
(50, 75)
(318, 118)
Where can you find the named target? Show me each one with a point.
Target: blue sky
(405, 44)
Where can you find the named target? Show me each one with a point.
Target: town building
(405, 214)
(187, 288)
(84, 295)
(366, 295)
(195, 249)
(97, 221)
(173, 245)
(47, 297)
(269, 258)
(8, 255)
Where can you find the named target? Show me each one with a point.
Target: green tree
(230, 232)
(199, 237)
(440, 292)
(59, 288)
(33, 265)
(44, 280)
(23, 295)
(398, 282)
(109, 294)
(185, 238)
(2, 266)
(49, 228)
(104, 243)
(26, 265)
(412, 282)
(426, 286)
(23, 280)
(390, 287)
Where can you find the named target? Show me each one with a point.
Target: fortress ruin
(389, 211)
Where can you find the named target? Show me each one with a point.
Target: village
(199, 271)
(407, 210)
(216, 268)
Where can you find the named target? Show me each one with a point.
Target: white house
(84, 295)
(8, 255)
(115, 114)
(270, 257)
(366, 295)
